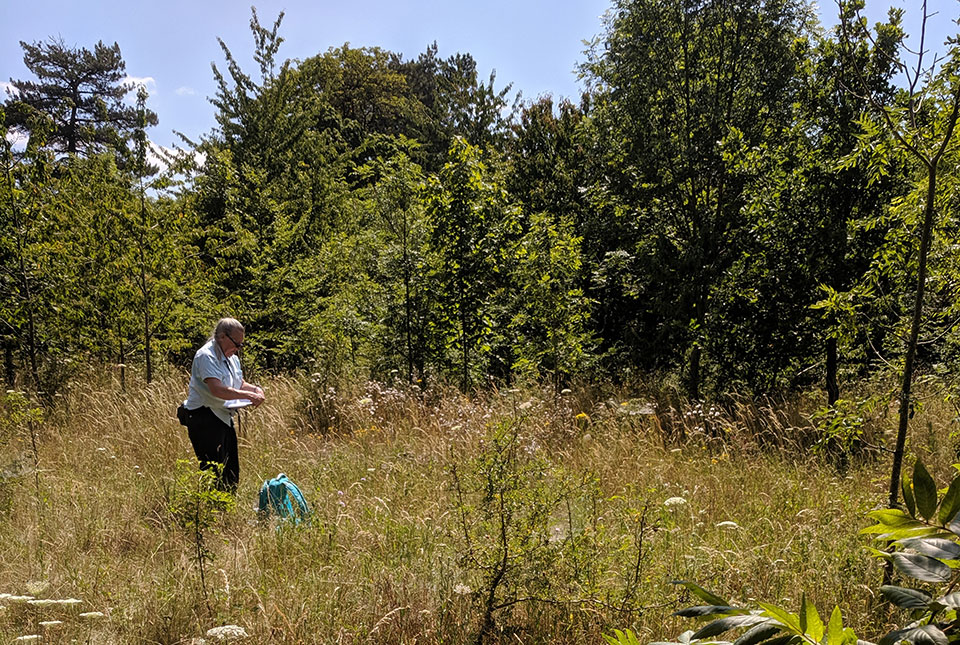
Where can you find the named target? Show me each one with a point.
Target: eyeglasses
(235, 343)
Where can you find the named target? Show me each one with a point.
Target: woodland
(729, 207)
(742, 237)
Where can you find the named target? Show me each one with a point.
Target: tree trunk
(833, 388)
(906, 408)
(121, 360)
(8, 368)
(693, 372)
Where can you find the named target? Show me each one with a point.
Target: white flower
(674, 501)
(92, 614)
(50, 623)
(44, 602)
(20, 598)
(727, 525)
(227, 633)
(462, 589)
(68, 602)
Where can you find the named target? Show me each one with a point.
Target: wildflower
(92, 615)
(227, 633)
(45, 602)
(20, 598)
(35, 588)
(674, 501)
(68, 602)
(727, 525)
(526, 405)
(462, 589)
(582, 417)
(50, 623)
(367, 401)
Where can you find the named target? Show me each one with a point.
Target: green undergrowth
(511, 516)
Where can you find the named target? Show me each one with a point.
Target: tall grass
(382, 559)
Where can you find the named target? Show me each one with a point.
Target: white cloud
(157, 155)
(148, 82)
(7, 89)
(18, 140)
(185, 91)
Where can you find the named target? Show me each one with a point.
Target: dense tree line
(723, 208)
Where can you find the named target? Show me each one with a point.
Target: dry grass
(381, 560)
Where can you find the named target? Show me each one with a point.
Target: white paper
(236, 404)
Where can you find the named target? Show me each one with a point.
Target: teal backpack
(281, 496)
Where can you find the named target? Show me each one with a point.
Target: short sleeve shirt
(209, 362)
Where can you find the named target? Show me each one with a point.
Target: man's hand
(256, 395)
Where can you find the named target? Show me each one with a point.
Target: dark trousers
(215, 443)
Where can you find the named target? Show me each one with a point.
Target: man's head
(229, 334)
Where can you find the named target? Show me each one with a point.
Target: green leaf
(708, 610)
(877, 553)
(906, 486)
(925, 490)
(810, 622)
(922, 635)
(757, 634)
(722, 625)
(950, 505)
(950, 601)
(891, 517)
(788, 620)
(905, 598)
(922, 567)
(786, 639)
(893, 638)
(626, 637)
(911, 533)
(702, 594)
(954, 525)
(934, 547)
(835, 628)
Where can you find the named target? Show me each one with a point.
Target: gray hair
(226, 327)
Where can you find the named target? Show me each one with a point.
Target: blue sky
(534, 44)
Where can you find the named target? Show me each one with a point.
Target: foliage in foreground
(922, 545)
(625, 489)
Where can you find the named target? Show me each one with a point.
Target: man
(216, 378)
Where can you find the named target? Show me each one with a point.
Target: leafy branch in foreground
(923, 544)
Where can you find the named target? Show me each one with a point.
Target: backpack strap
(284, 498)
(293, 492)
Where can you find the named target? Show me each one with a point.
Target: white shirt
(209, 362)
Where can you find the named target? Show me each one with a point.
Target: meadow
(510, 516)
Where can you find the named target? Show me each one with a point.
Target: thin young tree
(920, 124)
